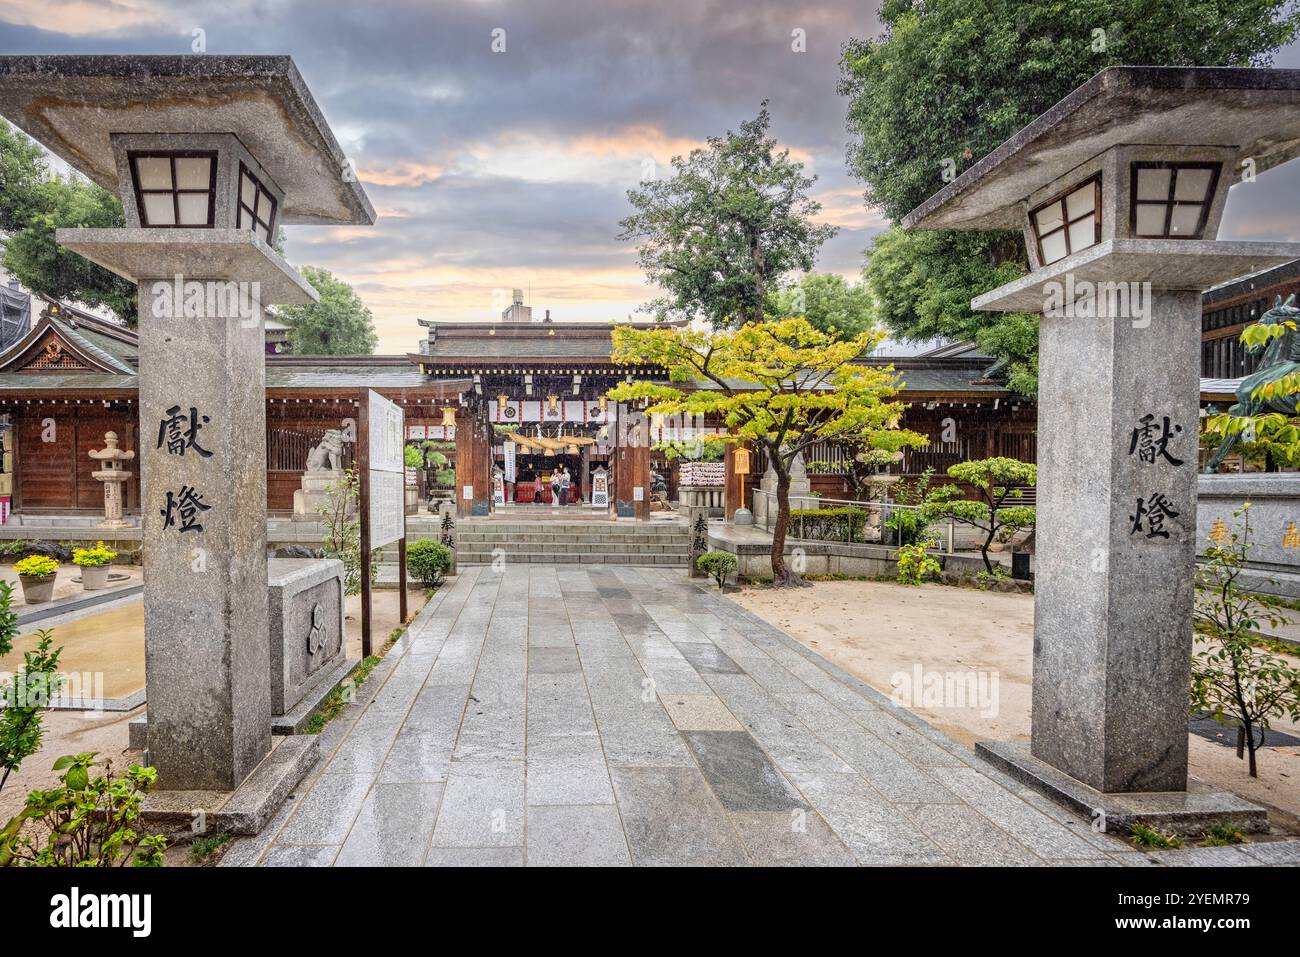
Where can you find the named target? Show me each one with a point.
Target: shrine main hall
(507, 403)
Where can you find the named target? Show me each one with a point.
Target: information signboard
(387, 471)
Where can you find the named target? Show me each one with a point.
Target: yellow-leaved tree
(782, 385)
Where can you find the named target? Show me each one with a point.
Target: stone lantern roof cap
(1255, 112)
(72, 103)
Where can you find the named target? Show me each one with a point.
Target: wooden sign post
(741, 467)
(381, 469)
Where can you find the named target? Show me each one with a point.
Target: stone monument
(1119, 190)
(114, 478)
(801, 495)
(210, 155)
(324, 470)
(308, 650)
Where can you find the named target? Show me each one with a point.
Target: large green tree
(827, 301)
(720, 232)
(781, 385)
(921, 284)
(949, 80)
(338, 325)
(34, 202)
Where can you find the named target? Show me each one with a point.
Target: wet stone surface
(527, 722)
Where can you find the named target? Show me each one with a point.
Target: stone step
(571, 538)
(580, 528)
(584, 548)
(581, 548)
(565, 558)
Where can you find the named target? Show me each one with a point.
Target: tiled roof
(1259, 281)
(112, 352)
(959, 379)
(923, 377)
(20, 382)
(332, 376)
(508, 350)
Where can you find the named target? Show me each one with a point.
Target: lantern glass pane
(1151, 219)
(1080, 202)
(1083, 233)
(194, 209)
(1153, 184)
(155, 172)
(1192, 185)
(193, 172)
(1053, 247)
(1185, 220)
(158, 209)
(1048, 218)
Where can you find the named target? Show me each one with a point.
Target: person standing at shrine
(555, 486)
(537, 489)
(564, 485)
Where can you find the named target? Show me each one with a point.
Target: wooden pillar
(584, 474)
(632, 465)
(473, 465)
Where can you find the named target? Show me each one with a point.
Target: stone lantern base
(1188, 812)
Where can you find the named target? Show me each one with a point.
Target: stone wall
(1274, 498)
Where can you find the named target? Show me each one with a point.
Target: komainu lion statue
(328, 454)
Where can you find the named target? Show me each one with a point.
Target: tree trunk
(1250, 748)
(984, 549)
(782, 574)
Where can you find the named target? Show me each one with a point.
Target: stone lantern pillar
(1119, 190)
(210, 154)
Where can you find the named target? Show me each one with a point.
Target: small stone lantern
(114, 478)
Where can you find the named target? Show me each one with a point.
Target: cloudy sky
(492, 170)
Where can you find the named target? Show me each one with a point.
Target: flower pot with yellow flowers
(94, 564)
(37, 574)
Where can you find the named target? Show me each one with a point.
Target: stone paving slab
(590, 715)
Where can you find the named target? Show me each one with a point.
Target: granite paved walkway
(598, 715)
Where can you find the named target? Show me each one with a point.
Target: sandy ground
(882, 632)
(72, 732)
(108, 644)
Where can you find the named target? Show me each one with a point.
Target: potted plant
(37, 573)
(94, 564)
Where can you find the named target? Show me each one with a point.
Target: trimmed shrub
(828, 524)
(428, 561)
(717, 564)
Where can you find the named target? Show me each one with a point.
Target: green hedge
(828, 524)
(717, 564)
(428, 561)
